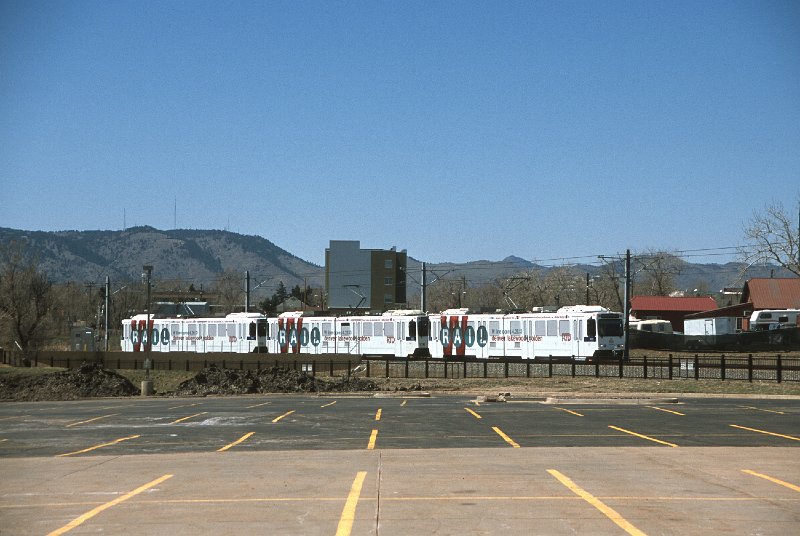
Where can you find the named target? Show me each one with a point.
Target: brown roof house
(768, 293)
(670, 308)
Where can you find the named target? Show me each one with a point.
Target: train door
(577, 335)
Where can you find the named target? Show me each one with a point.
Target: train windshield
(424, 327)
(610, 327)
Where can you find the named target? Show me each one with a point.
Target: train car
(394, 333)
(577, 331)
(237, 332)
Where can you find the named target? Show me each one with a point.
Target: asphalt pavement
(290, 464)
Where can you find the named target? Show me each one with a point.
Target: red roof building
(669, 308)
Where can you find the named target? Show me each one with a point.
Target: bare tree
(25, 294)
(229, 287)
(656, 272)
(773, 236)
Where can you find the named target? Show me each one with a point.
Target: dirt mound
(87, 381)
(217, 381)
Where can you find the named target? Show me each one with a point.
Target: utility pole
(423, 299)
(247, 291)
(627, 308)
(148, 270)
(105, 309)
(587, 288)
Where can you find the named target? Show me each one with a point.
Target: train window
(412, 329)
(263, 328)
(494, 327)
(327, 329)
(539, 327)
(252, 332)
(563, 326)
(212, 330)
(367, 329)
(388, 329)
(516, 327)
(231, 330)
(378, 329)
(552, 328)
(591, 328)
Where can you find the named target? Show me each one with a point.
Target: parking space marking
(185, 406)
(328, 404)
(229, 445)
(276, 419)
(120, 440)
(372, 438)
(667, 410)
(609, 512)
(504, 436)
(772, 479)
(189, 417)
(474, 414)
(378, 414)
(93, 512)
(91, 420)
(13, 417)
(765, 432)
(569, 411)
(643, 436)
(258, 405)
(349, 511)
(404, 403)
(760, 409)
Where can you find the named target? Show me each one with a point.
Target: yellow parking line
(404, 403)
(644, 436)
(13, 417)
(91, 513)
(667, 410)
(378, 414)
(330, 404)
(226, 447)
(609, 512)
(772, 479)
(765, 432)
(276, 419)
(189, 417)
(349, 511)
(504, 436)
(474, 414)
(372, 438)
(185, 405)
(258, 405)
(760, 409)
(91, 420)
(569, 411)
(100, 446)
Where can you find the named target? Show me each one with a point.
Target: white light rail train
(582, 332)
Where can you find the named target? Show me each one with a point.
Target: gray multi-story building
(364, 280)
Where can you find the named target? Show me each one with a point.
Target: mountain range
(199, 257)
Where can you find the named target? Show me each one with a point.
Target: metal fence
(718, 367)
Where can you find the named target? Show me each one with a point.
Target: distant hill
(195, 257)
(198, 257)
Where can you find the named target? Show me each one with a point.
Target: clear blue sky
(457, 130)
